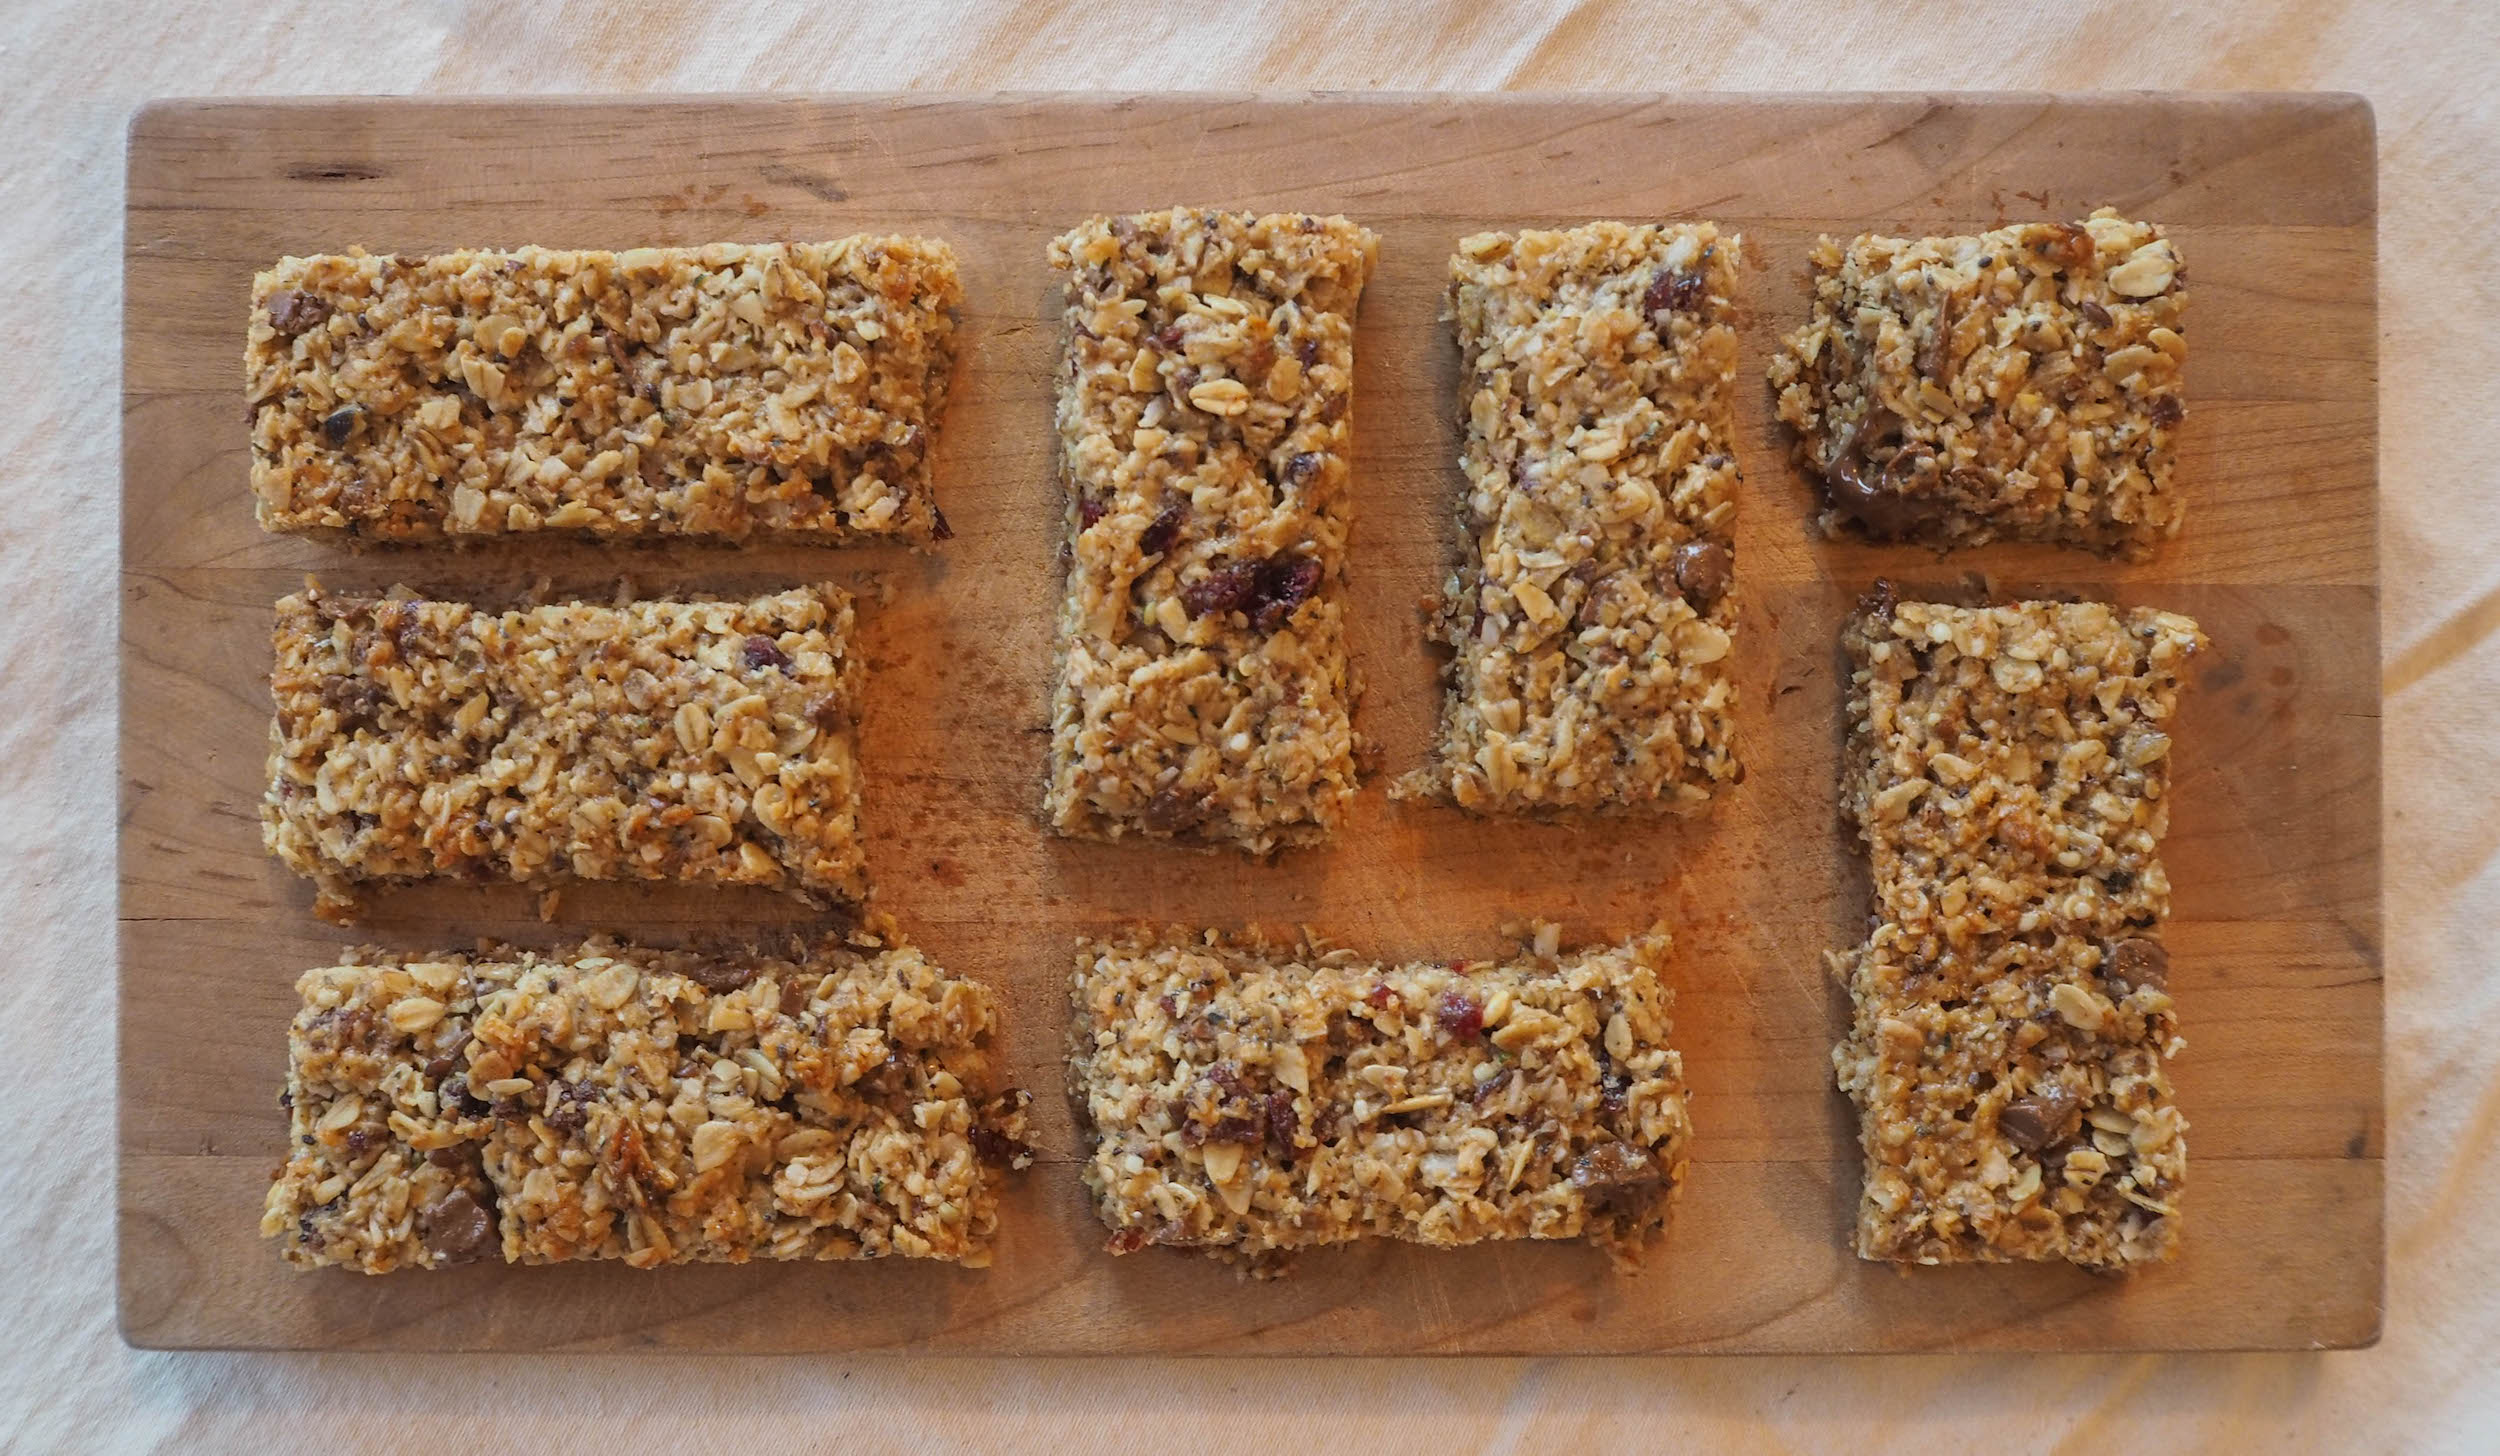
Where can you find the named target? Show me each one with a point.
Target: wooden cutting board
(2274, 847)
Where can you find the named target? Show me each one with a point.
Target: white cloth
(74, 69)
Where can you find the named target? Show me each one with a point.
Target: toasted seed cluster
(2007, 772)
(1251, 1102)
(727, 391)
(706, 741)
(2020, 384)
(1592, 616)
(656, 1107)
(1205, 415)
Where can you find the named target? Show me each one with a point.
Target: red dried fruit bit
(1088, 511)
(1459, 1014)
(1283, 587)
(293, 311)
(1222, 590)
(762, 652)
(1674, 293)
(1159, 536)
(1380, 995)
(1167, 338)
(1127, 1241)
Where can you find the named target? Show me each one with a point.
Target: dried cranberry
(1159, 537)
(719, 976)
(1380, 995)
(1088, 510)
(1460, 1014)
(1674, 293)
(1224, 589)
(763, 652)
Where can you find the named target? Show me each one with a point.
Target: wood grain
(2274, 850)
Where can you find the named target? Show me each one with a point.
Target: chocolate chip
(1615, 1089)
(356, 700)
(439, 1068)
(1702, 569)
(1332, 409)
(1173, 811)
(1459, 1014)
(1617, 1176)
(337, 425)
(2138, 962)
(1877, 505)
(1306, 349)
(293, 311)
(456, 1228)
(2094, 312)
(718, 976)
(992, 1146)
(458, 1155)
(2168, 411)
(510, 1109)
(827, 712)
(566, 1106)
(2036, 1121)
(940, 531)
(1674, 293)
(763, 652)
(1164, 530)
(1300, 469)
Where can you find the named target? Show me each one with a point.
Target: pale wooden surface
(2274, 847)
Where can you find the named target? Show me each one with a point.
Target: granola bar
(1204, 426)
(1591, 618)
(1251, 1103)
(705, 741)
(2022, 384)
(2007, 770)
(729, 391)
(2009, 766)
(657, 1107)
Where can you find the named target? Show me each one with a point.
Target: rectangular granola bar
(729, 391)
(609, 1102)
(2022, 384)
(1591, 616)
(705, 741)
(1251, 1103)
(1204, 425)
(2007, 770)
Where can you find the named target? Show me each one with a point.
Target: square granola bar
(1204, 428)
(705, 741)
(2020, 384)
(656, 1107)
(1591, 617)
(1251, 1101)
(729, 391)
(2009, 766)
